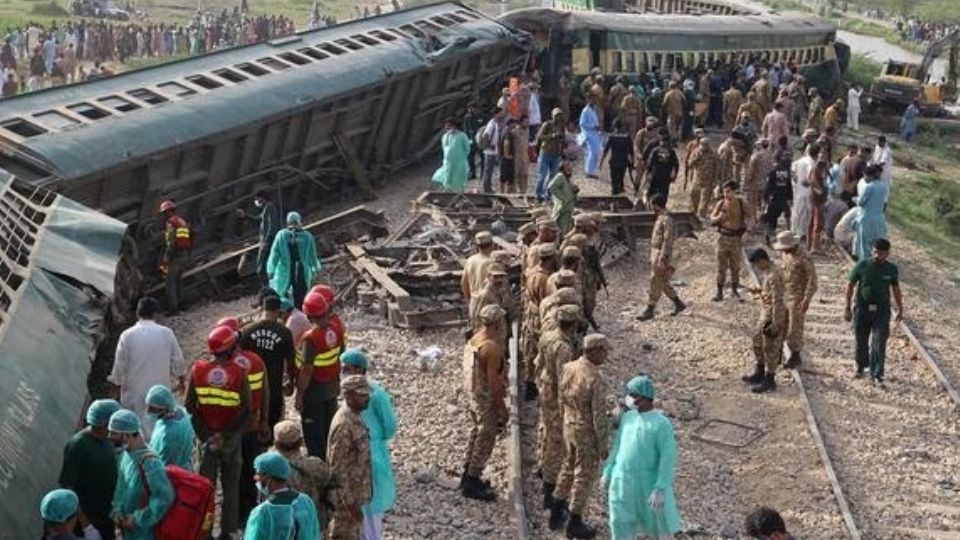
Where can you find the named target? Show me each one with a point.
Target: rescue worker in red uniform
(257, 435)
(318, 382)
(218, 400)
(177, 242)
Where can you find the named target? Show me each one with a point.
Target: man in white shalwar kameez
(802, 210)
(883, 154)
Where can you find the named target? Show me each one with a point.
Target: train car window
(657, 61)
(90, 111)
(55, 119)
(313, 53)
(295, 58)
(711, 58)
(631, 62)
(331, 48)
(204, 82)
(229, 75)
(642, 65)
(380, 34)
(22, 127)
(456, 17)
(366, 40)
(146, 95)
(118, 103)
(412, 30)
(441, 21)
(352, 45)
(252, 69)
(616, 61)
(468, 14)
(807, 56)
(273, 63)
(428, 26)
(820, 54)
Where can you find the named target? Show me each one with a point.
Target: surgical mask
(262, 490)
(154, 417)
(630, 402)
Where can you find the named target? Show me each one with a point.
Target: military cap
(651, 121)
(501, 256)
(699, 131)
(355, 383)
(557, 111)
(570, 252)
(582, 219)
(578, 240)
(595, 341)
(547, 250)
(810, 132)
(483, 238)
(568, 295)
(527, 228)
(547, 223)
(287, 432)
(496, 269)
(566, 277)
(786, 240)
(491, 313)
(568, 313)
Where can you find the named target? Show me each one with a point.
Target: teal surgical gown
(279, 264)
(172, 440)
(274, 518)
(644, 458)
(452, 175)
(129, 494)
(381, 422)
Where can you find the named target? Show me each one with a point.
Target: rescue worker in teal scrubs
(173, 435)
(284, 512)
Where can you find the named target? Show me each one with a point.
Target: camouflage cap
(538, 212)
(547, 223)
(582, 219)
(568, 295)
(566, 278)
(571, 252)
(501, 256)
(355, 383)
(568, 313)
(483, 238)
(491, 313)
(578, 240)
(287, 432)
(496, 269)
(526, 229)
(547, 250)
(595, 341)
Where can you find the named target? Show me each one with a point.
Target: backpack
(190, 517)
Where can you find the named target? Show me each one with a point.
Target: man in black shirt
(620, 148)
(472, 121)
(662, 167)
(778, 192)
(273, 342)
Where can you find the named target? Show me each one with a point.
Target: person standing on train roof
(268, 216)
(293, 260)
(177, 241)
(456, 169)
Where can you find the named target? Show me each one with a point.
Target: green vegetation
(788, 5)
(862, 70)
(926, 208)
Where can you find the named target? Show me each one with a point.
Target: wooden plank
(515, 449)
(375, 271)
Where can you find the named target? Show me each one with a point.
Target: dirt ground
(759, 449)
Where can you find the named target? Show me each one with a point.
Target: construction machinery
(900, 83)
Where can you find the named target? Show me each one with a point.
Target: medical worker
(381, 423)
(283, 511)
(293, 260)
(172, 432)
(640, 471)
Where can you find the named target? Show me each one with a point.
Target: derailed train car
(317, 116)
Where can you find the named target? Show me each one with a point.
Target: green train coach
(632, 44)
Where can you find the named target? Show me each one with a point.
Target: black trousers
(617, 172)
(775, 209)
(316, 419)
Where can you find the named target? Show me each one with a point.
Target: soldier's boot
(474, 488)
(548, 500)
(719, 296)
(558, 514)
(647, 314)
(530, 393)
(678, 306)
(576, 528)
(794, 361)
(735, 291)
(757, 376)
(464, 475)
(768, 384)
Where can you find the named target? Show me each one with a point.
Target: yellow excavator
(901, 82)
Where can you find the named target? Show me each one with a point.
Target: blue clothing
(280, 263)
(644, 458)
(173, 438)
(283, 513)
(381, 423)
(452, 175)
(908, 122)
(547, 167)
(872, 222)
(593, 144)
(136, 466)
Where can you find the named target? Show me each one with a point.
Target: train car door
(596, 49)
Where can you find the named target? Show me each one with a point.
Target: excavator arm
(936, 49)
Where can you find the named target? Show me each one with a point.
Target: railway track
(890, 454)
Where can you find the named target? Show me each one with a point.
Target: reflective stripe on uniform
(328, 358)
(255, 380)
(182, 232)
(208, 395)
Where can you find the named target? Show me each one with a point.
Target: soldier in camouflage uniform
(800, 280)
(308, 474)
(755, 174)
(566, 294)
(527, 234)
(814, 110)
(631, 111)
(731, 216)
(585, 432)
(535, 291)
(557, 347)
(496, 293)
(570, 261)
(547, 233)
(705, 165)
(661, 253)
(644, 136)
(348, 456)
(771, 323)
(591, 273)
(485, 381)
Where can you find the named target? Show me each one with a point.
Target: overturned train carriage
(320, 115)
(65, 281)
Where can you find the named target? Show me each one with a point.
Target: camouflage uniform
(764, 98)
(491, 295)
(730, 240)
(755, 176)
(800, 281)
(484, 412)
(556, 350)
(615, 99)
(535, 292)
(773, 316)
(753, 109)
(673, 102)
(475, 271)
(706, 167)
(815, 113)
(631, 111)
(566, 295)
(585, 431)
(311, 476)
(661, 249)
(348, 456)
(732, 100)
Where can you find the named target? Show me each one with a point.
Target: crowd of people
(924, 31)
(35, 57)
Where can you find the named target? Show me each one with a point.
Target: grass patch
(926, 208)
(862, 70)
(788, 5)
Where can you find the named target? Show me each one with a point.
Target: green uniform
(871, 314)
(285, 515)
(135, 468)
(90, 470)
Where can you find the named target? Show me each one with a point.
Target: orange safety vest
(252, 364)
(181, 232)
(218, 387)
(328, 343)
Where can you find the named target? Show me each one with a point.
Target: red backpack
(190, 517)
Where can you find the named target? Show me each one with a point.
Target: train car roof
(761, 23)
(50, 129)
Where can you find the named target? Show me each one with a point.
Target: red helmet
(167, 205)
(326, 292)
(232, 323)
(221, 340)
(314, 305)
